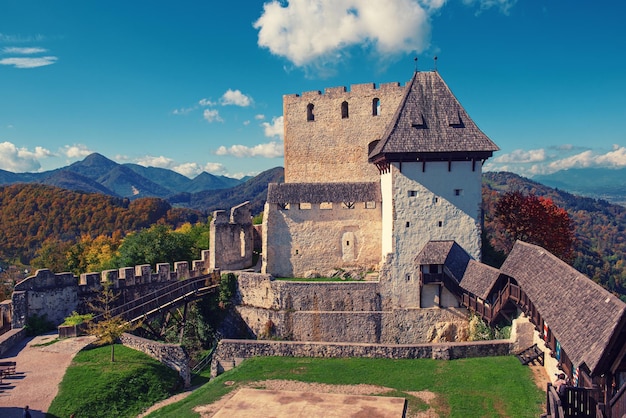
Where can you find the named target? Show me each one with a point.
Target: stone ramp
(254, 403)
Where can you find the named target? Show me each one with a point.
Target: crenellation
(332, 91)
(362, 88)
(311, 94)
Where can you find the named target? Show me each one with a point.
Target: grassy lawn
(477, 387)
(95, 387)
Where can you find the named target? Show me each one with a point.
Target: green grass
(95, 387)
(478, 387)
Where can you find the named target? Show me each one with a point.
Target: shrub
(76, 319)
(38, 324)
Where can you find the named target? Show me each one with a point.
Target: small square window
(370, 205)
(305, 206)
(413, 193)
(326, 205)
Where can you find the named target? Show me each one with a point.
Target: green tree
(52, 255)
(157, 244)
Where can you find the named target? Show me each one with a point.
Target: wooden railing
(168, 296)
(575, 403)
(617, 404)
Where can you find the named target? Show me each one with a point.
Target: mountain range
(600, 183)
(98, 174)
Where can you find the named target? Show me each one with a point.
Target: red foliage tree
(536, 220)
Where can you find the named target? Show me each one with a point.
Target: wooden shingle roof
(447, 253)
(323, 192)
(431, 124)
(581, 314)
(479, 279)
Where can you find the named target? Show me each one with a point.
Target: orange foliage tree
(536, 220)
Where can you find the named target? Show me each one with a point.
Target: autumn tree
(533, 219)
(105, 327)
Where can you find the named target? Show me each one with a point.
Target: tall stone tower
(429, 159)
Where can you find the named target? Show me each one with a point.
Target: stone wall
(231, 353)
(310, 240)
(57, 295)
(232, 238)
(172, 355)
(10, 338)
(340, 312)
(331, 147)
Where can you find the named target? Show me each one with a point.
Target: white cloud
(259, 117)
(212, 115)
(152, 161)
(235, 97)
(23, 50)
(28, 62)
(268, 150)
(304, 31)
(275, 128)
(615, 158)
(504, 5)
(183, 110)
(191, 170)
(522, 156)
(76, 151)
(206, 102)
(20, 160)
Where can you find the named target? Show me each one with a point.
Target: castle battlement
(335, 92)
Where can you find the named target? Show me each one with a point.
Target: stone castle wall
(232, 238)
(333, 148)
(231, 353)
(316, 240)
(57, 295)
(340, 312)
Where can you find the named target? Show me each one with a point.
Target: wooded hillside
(32, 213)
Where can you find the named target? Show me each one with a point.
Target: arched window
(376, 107)
(309, 112)
(344, 110)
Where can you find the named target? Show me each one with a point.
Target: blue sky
(197, 85)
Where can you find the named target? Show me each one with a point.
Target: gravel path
(39, 371)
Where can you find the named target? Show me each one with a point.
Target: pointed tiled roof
(430, 123)
(479, 279)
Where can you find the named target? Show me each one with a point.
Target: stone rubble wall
(232, 238)
(57, 295)
(172, 355)
(339, 312)
(230, 353)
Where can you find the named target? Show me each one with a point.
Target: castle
(371, 176)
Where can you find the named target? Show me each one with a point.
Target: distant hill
(600, 227)
(253, 190)
(98, 174)
(602, 183)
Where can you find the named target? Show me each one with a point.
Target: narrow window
(436, 199)
(440, 224)
(347, 243)
(412, 193)
(296, 252)
(376, 107)
(408, 224)
(458, 192)
(344, 110)
(408, 277)
(309, 112)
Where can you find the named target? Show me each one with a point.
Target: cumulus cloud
(191, 170)
(534, 162)
(153, 161)
(268, 150)
(76, 151)
(235, 97)
(304, 31)
(212, 115)
(275, 128)
(20, 160)
(28, 62)
(206, 102)
(522, 156)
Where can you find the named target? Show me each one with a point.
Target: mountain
(253, 190)
(602, 183)
(98, 174)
